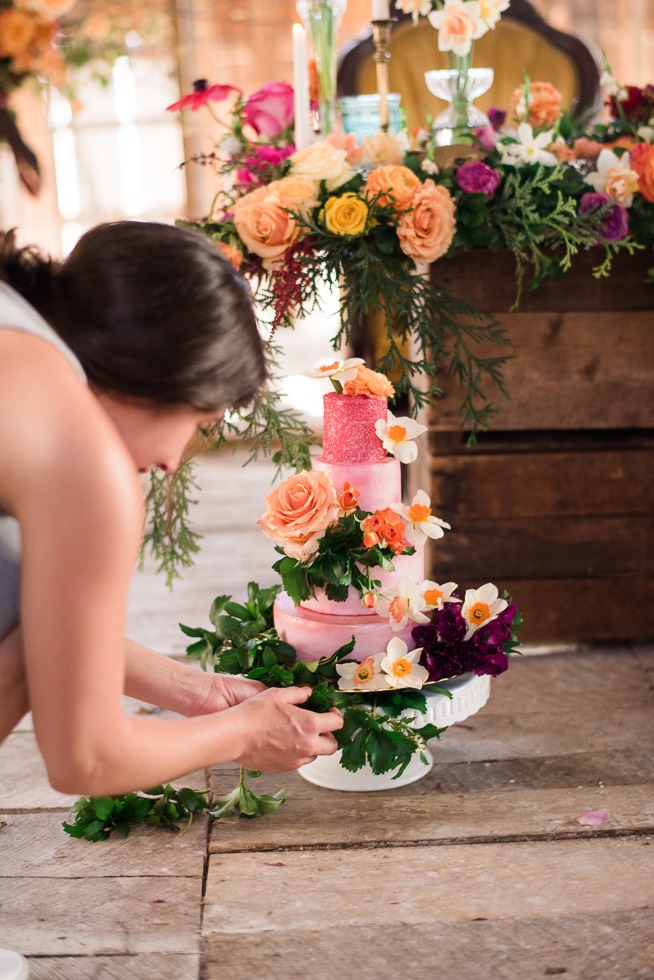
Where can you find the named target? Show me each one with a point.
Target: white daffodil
(458, 23)
(490, 11)
(396, 435)
(417, 8)
(364, 676)
(646, 133)
(436, 595)
(429, 166)
(480, 607)
(400, 667)
(610, 86)
(529, 148)
(420, 524)
(614, 177)
(401, 605)
(340, 371)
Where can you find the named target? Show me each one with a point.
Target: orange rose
(397, 184)
(642, 161)
(300, 509)
(264, 225)
(370, 539)
(17, 30)
(295, 193)
(545, 103)
(426, 232)
(369, 383)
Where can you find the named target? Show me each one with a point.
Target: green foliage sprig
(342, 561)
(95, 818)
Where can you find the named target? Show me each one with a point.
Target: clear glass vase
(458, 85)
(322, 19)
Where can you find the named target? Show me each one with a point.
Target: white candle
(302, 109)
(380, 10)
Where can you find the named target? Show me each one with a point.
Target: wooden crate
(556, 502)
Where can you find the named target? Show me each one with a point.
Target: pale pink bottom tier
(317, 635)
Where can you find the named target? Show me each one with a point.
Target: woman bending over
(109, 363)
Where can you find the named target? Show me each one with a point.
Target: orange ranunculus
(231, 254)
(369, 383)
(17, 29)
(348, 498)
(397, 184)
(545, 103)
(426, 232)
(303, 505)
(642, 161)
(264, 225)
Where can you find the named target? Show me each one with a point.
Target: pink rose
(426, 232)
(299, 511)
(270, 110)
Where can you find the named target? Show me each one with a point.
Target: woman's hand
(216, 692)
(279, 735)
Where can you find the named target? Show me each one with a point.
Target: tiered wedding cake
(355, 461)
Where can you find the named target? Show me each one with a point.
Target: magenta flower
(270, 110)
(476, 177)
(446, 652)
(496, 118)
(615, 223)
(261, 161)
(486, 136)
(201, 94)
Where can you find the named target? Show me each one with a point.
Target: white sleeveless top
(17, 314)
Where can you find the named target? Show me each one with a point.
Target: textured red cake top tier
(349, 428)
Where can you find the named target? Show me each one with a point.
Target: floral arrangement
(45, 41)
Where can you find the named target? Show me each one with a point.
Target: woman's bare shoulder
(59, 445)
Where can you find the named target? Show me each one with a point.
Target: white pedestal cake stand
(469, 694)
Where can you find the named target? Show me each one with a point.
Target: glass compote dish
(458, 86)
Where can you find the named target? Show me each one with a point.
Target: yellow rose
(345, 215)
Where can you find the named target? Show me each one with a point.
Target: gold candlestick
(381, 35)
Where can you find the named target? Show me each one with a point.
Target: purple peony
(475, 177)
(615, 223)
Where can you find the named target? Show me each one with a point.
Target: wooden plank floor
(478, 871)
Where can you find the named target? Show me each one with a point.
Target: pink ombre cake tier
(379, 483)
(316, 635)
(349, 428)
(406, 566)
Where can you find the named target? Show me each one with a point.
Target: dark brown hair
(153, 312)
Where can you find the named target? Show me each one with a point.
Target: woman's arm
(79, 503)
(181, 687)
